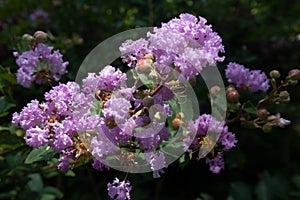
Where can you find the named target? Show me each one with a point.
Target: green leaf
(42, 153)
(8, 77)
(146, 80)
(240, 191)
(9, 194)
(70, 173)
(205, 196)
(5, 105)
(36, 183)
(47, 197)
(249, 107)
(49, 190)
(272, 187)
(296, 181)
(249, 124)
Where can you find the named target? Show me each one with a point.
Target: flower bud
(28, 38)
(40, 36)
(230, 88)
(292, 82)
(176, 123)
(233, 96)
(20, 133)
(148, 101)
(274, 74)
(284, 95)
(180, 115)
(144, 66)
(267, 128)
(294, 74)
(262, 114)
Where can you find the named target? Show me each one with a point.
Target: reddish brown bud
(144, 66)
(176, 123)
(233, 96)
(262, 114)
(294, 74)
(230, 88)
(40, 36)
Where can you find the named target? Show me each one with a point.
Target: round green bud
(267, 128)
(284, 95)
(28, 38)
(274, 74)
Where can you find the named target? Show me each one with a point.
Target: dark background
(262, 35)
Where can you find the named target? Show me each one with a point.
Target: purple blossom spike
(119, 190)
(157, 162)
(240, 75)
(30, 115)
(64, 160)
(132, 51)
(37, 137)
(216, 164)
(227, 139)
(204, 124)
(110, 78)
(99, 165)
(39, 14)
(37, 64)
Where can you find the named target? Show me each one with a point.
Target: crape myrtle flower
(119, 190)
(200, 127)
(110, 78)
(39, 14)
(187, 43)
(58, 121)
(240, 75)
(157, 162)
(216, 164)
(39, 64)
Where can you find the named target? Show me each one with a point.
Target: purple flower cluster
(200, 127)
(39, 14)
(240, 75)
(157, 162)
(216, 164)
(117, 117)
(119, 190)
(57, 121)
(38, 64)
(187, 43)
